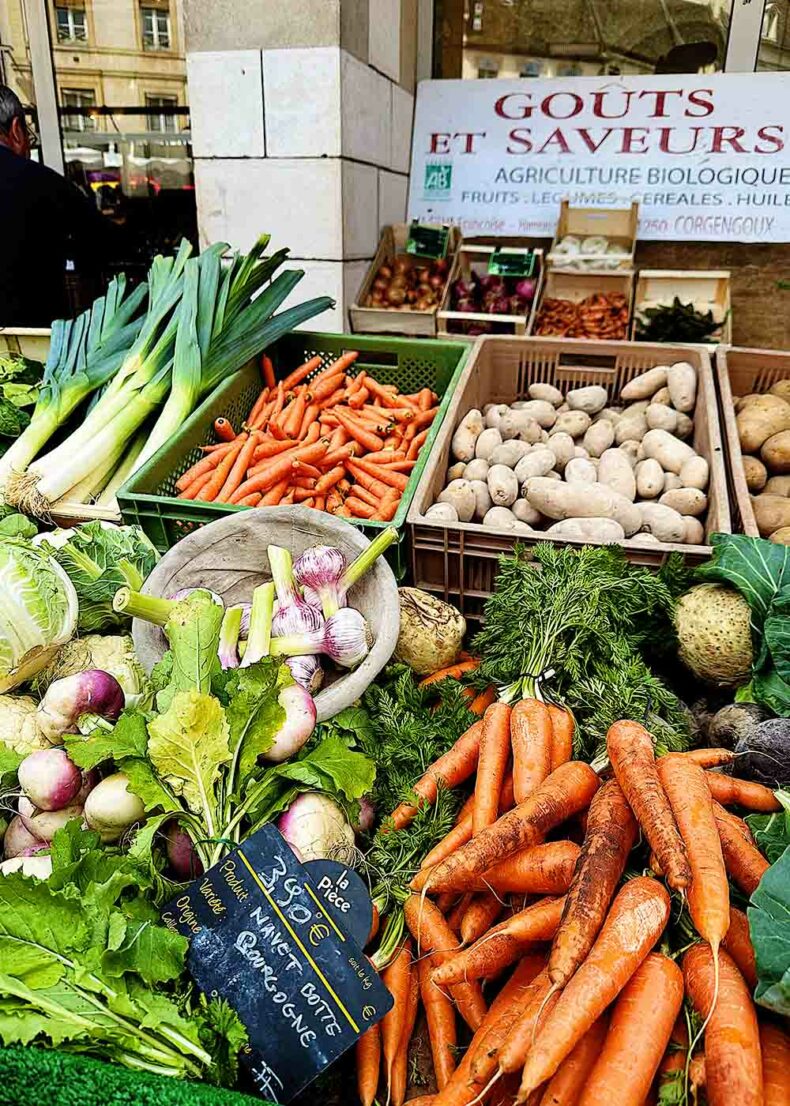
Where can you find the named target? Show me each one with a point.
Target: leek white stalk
(259, 638)
(122, 473)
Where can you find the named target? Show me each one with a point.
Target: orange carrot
(275, 494)
(220, 474)
(365, 480)
(271, 448)
(733, 1064)
(416, 445)
(565, 792)
(323, 388)
(440, 1016)
(359, 431)
(274, 470)
(494, 752)
(639, 1031)
(368, 1058)
(512, 1051)
(240, 466)
(455, 766)
(503, 944)
(425, 418)
(636, 920)
(195, 488)
(294, 414)
(252, 500)
(458, 836)
(260, 404)
(206, 464)
(730, 791)
(531, 739)
(565, 1086)
(483, 701)
(359, 508)
(609, 838)
(399, 1077)
(738, 943)
(537, 870)
(562, 730)
(341, 364)
(224, 430)
(268, 371)
(308, 418)
(482, 912)
(456, 915)
(298, 375)
(745, 864)
(710, 758)
(396, 480)
(451, 672)
(396, 978)
(775, 1053)
(630, 750)
(709, 894)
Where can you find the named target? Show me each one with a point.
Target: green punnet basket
(149, 499)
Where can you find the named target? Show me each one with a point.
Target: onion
(526, 288)
(396, 295)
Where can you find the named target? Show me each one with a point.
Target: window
(78, 98)
(161, 122)
(156, 28)
(775, 38)
(487, 70)
(71, 25)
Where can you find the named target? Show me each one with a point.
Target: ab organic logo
(438, 180)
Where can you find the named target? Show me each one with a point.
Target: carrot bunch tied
(324, 436)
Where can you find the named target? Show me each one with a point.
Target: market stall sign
(261, 938)
(512, 263)
(706, 155)
(344, 896)
(428, 241)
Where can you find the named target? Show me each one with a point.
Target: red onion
(526, 288)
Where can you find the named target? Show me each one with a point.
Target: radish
(111, 808)
(19, 840)
(300, 715)
(181, 853)
(44, 824)
(49, 779)
(66, 700)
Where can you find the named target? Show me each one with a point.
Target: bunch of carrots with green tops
(321, 437)
(531, 924)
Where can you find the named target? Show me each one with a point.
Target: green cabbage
(38, 610)
(112, 654)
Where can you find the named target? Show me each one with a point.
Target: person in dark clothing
(44, 221)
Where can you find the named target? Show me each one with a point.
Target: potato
(776, 452)
(739, 402)
(477, 469)
(766, 416)
(456, 471)
(662, 521)
(580, 471)
(682, 384)
(540, 410)
(695, 473)
(640, 453)
(482, 498)
(672, 481)
(662, 396)
(546, 392)
(649, 479)
(781, 536)
(508, 453)
(614, 470)
(632, 450)
(598, 438)
(486, 442)
(684, 427)
(580, 451)
(536, 463)
(603, 530)
(461, 495)
(782, 389)
(695, 531)
(643, 538)
(665, 448)
(645, 385)
(563, 407)
(553, 475)
(525, 512)
(518, 424)
(574, 423)
(686, 501)
(442, 512)
(562, 446)
(609, 414)
(630, 428)
(771, 512)
(756, 474)
(493, 412)
(777, 485)
(500, 518)
(560, 501)
(659, 417)
(544, 434)
(466, 435)
(591, 399)
(503, 485)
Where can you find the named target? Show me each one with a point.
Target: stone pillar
(301, 126)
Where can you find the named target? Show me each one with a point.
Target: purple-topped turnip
(91, 692)
(49, 779)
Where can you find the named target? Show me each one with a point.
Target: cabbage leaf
(769, 928)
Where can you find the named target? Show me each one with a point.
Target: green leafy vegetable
(769, 928)
(676, 322)
(19, 381)
(254, 714)
(772, 831)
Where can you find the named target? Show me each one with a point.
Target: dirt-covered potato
(682, 384)
(781, 536)
(475, 470)
(560, 501)
(562, 446)
(603, 530)
(487, 442)
(660, 417)
(579, 470)
(540, 410)
(760, 420)
(782, 389)
(526, 513)
(775, 453)
(482, 499)
(778, 485)
(519, 424)
(645, 385)
(508, 453)
(664, 522)
(695, 531)
(616, 471)
(493, 412)
(502, 518)
(609, 414)
(756, 474)
(536, 463)
(598, 437)
(444, 512)
(665, 448)
(695, 473)
(672, 481)
(632, 450)
(662, 396)
(459, 494)
(686, 501)
(649, 479)
(771, 513)
(466, 435)
(574, 423)
(685, 426)
(456, 471)
(503, 485)
(591, 399)
(546, 392)
(630, 428)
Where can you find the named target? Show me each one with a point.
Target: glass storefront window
(555, 38)
(774, 51)
(16, 69)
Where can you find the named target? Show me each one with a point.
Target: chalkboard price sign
(344, 896)
(262, 938)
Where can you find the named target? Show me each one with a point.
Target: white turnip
(111, 808)
(44, 824)
(36, 867)
(315, 827)
(49, 778)
(300, 715)
(18, 840)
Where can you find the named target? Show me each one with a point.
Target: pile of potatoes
(763, 423)
(572, 466)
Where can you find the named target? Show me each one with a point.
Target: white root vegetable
(477, 469)
(614, 469)
(526, 513)
(486, 442)
(598, 438)
(500, 518)
(649, 479)
(34, 867)
(660, 417)
(630, 428)
(538, 462)
(591, 399)
(508, 453)
(545, 392)
(540, 410)
(460, 494)
(503, 485)
(431, 631)
(442, 512)
(19, 840)
(456, 471)
(604, 530)
(668, 450)
(637, 408)
(663, 522)
(466, 435)
(672, 481)
(520, 424)
(686, 501)
(563, 448)
(574, 423)
(561, 501)
(632, 450)
(694, 531)
(662, 396)
(580, 451)
(645, 385)
(682, 384)
(684, 427)
(580, 471)
(494, 412)
(695, 473)
(111, 808)
(482, 498)
(44, 824)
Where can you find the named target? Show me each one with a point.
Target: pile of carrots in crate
(339, 443)
(591, 1011)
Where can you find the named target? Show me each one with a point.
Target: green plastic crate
(148, 498)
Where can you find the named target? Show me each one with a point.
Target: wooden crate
(381, 320)
(563, 285)
(739, 372)
(31, 342)
(618, 224)
(475, 259)
(705, 287)
(458, 561)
